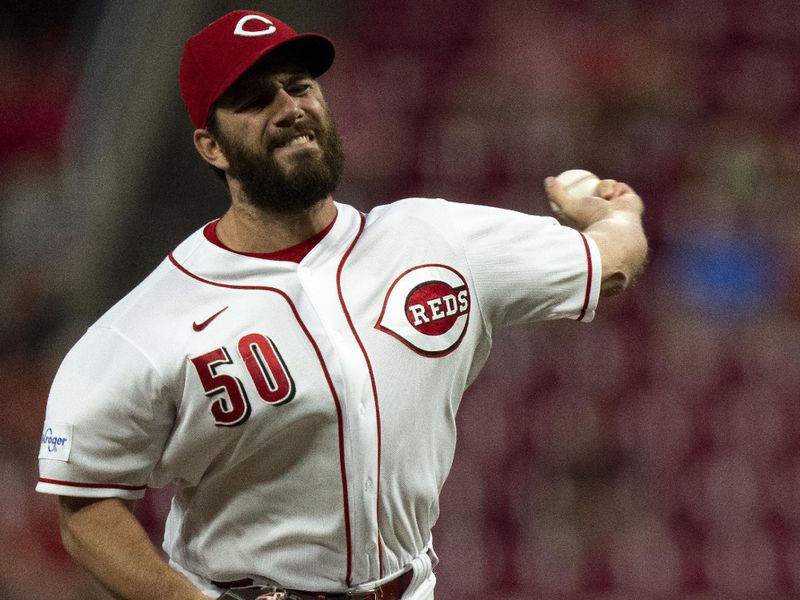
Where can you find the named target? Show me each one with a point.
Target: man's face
(279, 139)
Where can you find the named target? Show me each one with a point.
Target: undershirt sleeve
(105, 427)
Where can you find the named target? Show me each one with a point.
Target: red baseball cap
(218, 55)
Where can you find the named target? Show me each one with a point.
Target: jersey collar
(292, 254)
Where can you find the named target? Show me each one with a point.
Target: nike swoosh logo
(200, 326)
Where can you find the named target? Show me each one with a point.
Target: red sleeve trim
(588, 296)
(113, 486)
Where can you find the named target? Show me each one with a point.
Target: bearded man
(294, 368)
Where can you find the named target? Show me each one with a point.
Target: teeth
(301, 139)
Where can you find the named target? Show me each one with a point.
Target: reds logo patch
(427, 308)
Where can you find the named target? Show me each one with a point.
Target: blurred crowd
(653, 454)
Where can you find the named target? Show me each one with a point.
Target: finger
(623, 188)
(606, 188)
(556, 192)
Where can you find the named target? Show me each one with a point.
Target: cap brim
(314, 50)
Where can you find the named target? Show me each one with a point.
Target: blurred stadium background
(654, 454)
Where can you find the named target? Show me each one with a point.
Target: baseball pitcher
(294, 368)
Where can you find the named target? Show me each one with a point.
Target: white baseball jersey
(305, 411)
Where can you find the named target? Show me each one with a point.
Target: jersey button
(368, 484)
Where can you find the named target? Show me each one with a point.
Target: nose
(288, 109)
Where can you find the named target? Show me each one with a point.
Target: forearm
(623, 248)
(104, 537)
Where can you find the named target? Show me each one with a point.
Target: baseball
(578, 183)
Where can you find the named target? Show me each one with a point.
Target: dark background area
(652, 454)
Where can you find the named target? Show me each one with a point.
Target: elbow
(70, 542)
(614, 284)
(619, 277)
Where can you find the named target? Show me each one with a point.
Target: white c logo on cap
(240, 30)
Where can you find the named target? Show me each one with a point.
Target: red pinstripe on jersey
(328, 379)
(371, 380)
(110, 486)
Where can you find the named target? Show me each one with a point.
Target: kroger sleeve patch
(56, 441)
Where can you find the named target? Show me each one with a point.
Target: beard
(287, 190)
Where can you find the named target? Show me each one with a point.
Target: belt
(391, 590)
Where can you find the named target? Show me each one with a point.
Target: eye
(253, 103)
(299, 89)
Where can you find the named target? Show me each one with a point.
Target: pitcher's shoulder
(423, 209)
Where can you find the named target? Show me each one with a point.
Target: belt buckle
(367, 595)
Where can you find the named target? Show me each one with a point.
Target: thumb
(557, 195)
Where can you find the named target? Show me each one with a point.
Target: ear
(208, 147)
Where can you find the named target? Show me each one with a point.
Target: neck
(247, 228)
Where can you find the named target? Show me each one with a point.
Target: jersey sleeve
(528, 268)
(104, 430)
